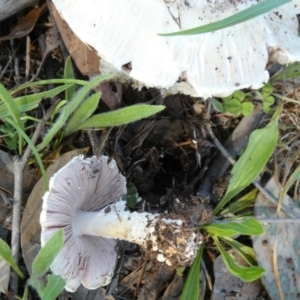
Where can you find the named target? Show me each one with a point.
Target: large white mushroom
(124, 33)
(84, 200)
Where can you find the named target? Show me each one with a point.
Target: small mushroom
(125, 35)
(84, 200)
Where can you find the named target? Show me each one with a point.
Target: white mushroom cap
(212, 64)
(86, 184)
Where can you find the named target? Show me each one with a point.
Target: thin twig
(19, 166)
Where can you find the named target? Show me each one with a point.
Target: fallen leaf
(281, 238)
(86, 58)
(26, 24)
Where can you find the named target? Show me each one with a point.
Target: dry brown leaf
(30, 226)
(85, 58)
(26, 24)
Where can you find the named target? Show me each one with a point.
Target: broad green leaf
(239, 95)
(5, 253)
(131, 195)
(268, 99)
(121, 116)
(69, 74)
(82, 113)
(248, 227)
(47, 254)
(69, 108)
(247, 108)
(191, 288)
(217, 105)
(55, 285)
(242, 16)
(268, 88)
(33, 149)
(246, 252)
(262, 143)
(233, 103)
(247, 274)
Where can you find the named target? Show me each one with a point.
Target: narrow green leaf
(10, 105)
(69, 108)
(30, 102)
(55, 285)
(246, 201)
(262, 143)
(288, 71)
(47, 81)
(292, 179)
(5, 253)
(191, 288)
(246, 252)
(247, 274)
(121, 116)
(33, 149)
(248, 227)
(25, 294)
(69, 74)
(13, 111)
(83, 112)
(242, 16)
(47, 254)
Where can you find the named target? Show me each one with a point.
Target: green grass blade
(69, 74)
(5, 253)
(121, 116)
(47, 254)
(245, 15)
(247, 274)
(248, 227)
(29, 102)
(47, 81)
(246, 252)
(83, 112)
(262, 143)
(69, 108)
(191, 288)
(33, 149)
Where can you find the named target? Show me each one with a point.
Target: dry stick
(19, 166)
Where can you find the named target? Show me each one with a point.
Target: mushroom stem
(166, 236)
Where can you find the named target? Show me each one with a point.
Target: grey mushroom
(84, 199)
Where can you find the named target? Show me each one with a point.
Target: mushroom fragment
(124, 33)
(84, 200)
